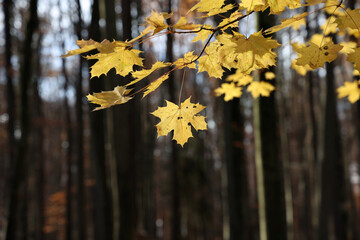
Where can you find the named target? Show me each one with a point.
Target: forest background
(69, 173)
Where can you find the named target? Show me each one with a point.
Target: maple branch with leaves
(245, 54)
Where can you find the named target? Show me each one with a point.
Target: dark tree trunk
(127, 146)
(333, 189)
(69, 156)
(80, 194)
(10, 94)
(19, 171)
(273, 169)
(175, 204)
(236, 169)
(39, 149)
(103, 223)
(235, 166)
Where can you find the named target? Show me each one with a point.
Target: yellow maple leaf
(183, 24)
(217, 11)
(240, 78)
(139, 75)
(260, 89)
(180, 119)
(154, 24)
(318, 39)
(278, 6)
(232, 18)
(121, 58)
(186, 61)
(212, 7)
(156, 21)
(329, 26)
(269, 75)
(230, 90)
(295, 22)
(316, 56)
(348, 47)
(350, 90)
(107, 99)
(351, 19)
(331, 7)
(87, 45)
(254, 5)
(355, 58)
(210, 62)
(155, 84)
(302, 70)
(207, 5)
(203, 34)
(250, 53)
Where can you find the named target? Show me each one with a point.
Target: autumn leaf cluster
(224, 48)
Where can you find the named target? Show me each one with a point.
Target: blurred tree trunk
(272, 165)
(311, 173)
(39, 149)
(236, 169)
(10, 94)
(112, 117)
(79, 136)
(333, 189)
(235, 165)
(19, 172)
(354, 212)
(175, 198)
(128, 145)
(259, 165)
(10, 98)
(69, 154)
(103, 222)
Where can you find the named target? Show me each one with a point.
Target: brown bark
(19, 172)
(103, 223)
(80, 177)
(273, 169)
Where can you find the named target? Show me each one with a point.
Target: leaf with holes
(180, 119)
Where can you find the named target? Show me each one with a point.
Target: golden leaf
(230, 90)
(87, 45)
(183, 24)
(240, 78)
(316, 56)
(254, 5)
(277, 7)
(122, 59)
(186, 61)
(348, 47)
(302, 70)
(269, 75)
(233, 17)
(295, 22)
(248, 53)
(203, 34)
(355, 58)
(155, 84)
(212, 7)
(180, 119)
(260, 89)
(351, 20)
(210, 62)
(107, 99)
(350, 90)
(139, 75)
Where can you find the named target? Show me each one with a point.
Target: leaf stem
(182, 85)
